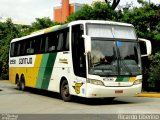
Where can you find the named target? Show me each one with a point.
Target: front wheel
(65, 91)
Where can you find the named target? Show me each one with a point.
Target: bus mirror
(146, 47)
(87, 42)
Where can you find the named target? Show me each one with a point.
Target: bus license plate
(118, 91)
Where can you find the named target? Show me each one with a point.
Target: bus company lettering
(25, 60)
(13, 61)
(65, 61)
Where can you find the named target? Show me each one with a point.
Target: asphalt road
(42, 102)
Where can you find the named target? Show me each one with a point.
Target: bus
(85, 58)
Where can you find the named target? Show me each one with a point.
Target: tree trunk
(114, 4)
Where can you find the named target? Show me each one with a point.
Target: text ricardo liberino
(138, 116)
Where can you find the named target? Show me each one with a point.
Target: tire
(18, 83)
(21, 84)
(65, 91)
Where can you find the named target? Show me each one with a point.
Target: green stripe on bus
(42, 70)
(48, 70)
(122, 79)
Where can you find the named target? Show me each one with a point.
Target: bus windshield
(114, 57)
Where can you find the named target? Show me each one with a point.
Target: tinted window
(78, 56)
(50, 42)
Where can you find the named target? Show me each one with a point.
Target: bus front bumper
(97, 91)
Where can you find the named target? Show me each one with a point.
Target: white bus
(86, 58)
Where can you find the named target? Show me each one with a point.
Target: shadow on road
(98, 101)
(80, 100)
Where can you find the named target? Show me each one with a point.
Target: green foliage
(153, 73)
(146, 20)
(98, 11)
(9, 31)
(42, 23)
(146, 23)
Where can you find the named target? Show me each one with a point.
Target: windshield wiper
(96, 64)
(125, 66)
(121, 61)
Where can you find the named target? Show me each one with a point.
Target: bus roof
(101, 22)
(58, 27)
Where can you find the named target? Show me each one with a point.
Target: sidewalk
(149, 94)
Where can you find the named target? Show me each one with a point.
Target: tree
(146, 20)
(8, 32)
(98, 11)
(153, 81)
(42, 23)
(114, 3)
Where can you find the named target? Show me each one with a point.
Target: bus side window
(63, 40)
(22, 47)
(31, 49)
(42, 45)
(36, 45)
(28, 47)
(17, 49)
(51, 42)
(60, 41)
(66, 40)
(12, 51)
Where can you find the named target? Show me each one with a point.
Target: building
(62, 12)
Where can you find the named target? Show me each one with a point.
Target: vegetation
(98, 11)
(9, 31)
(153, 81)
(145, 18)
(114, 3)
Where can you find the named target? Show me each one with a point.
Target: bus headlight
(95, 82)
(136, 82)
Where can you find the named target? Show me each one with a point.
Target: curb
(153, 95)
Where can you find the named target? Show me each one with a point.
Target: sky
(25, 11)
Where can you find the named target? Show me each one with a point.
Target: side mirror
(87, 42)
(147, 45)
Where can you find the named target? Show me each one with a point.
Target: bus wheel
(18, 83)
(22, 84)
(65, 91)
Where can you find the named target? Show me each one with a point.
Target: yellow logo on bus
(77, 87)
